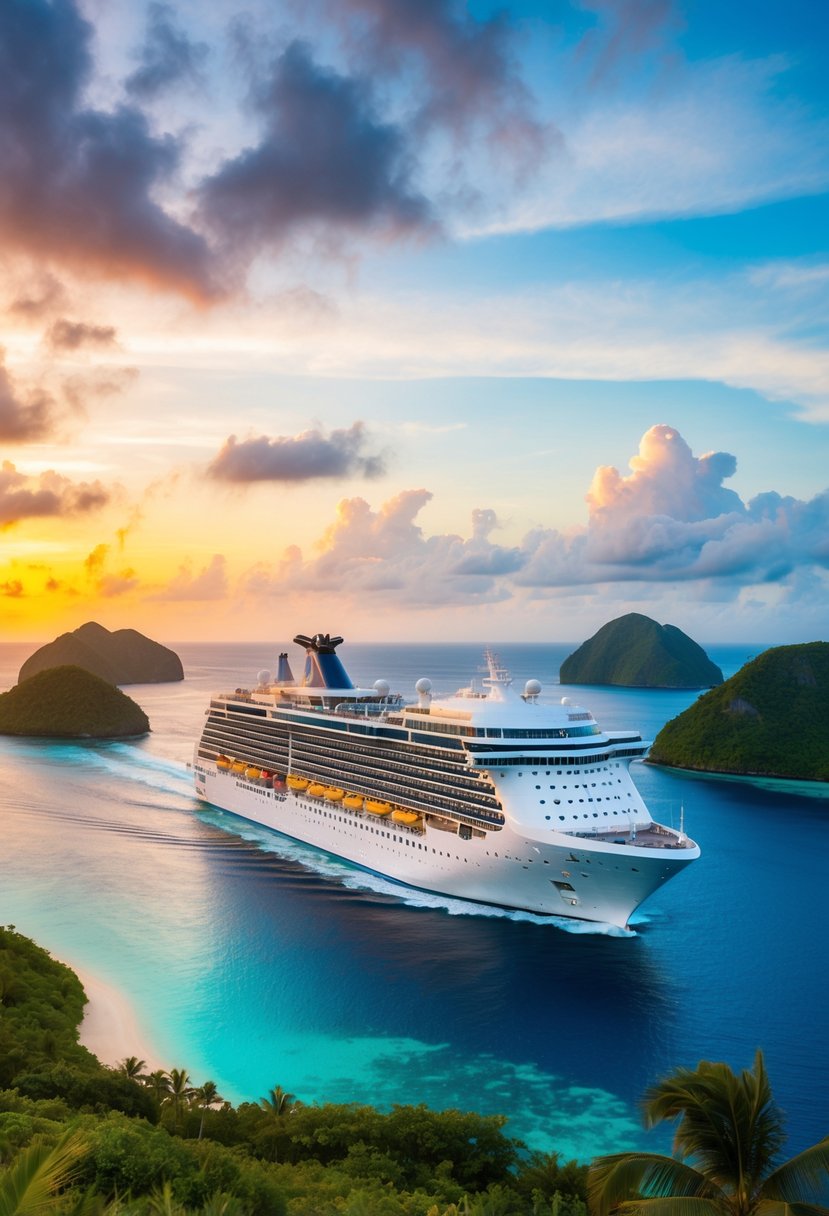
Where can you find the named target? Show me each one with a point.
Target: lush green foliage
(637, 652)
(154, 1144)
(767, 720)
(727, 1140)
(68, 702)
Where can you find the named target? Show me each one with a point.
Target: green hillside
(770, 719)
(637, 652)
(70, 703)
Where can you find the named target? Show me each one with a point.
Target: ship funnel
(284, 675)
(323, 668)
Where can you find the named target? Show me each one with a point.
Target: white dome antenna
(382, 688)
(423, 688)
(531, 689)
(264, 678)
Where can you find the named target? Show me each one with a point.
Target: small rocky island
(123, 657)
(70, 703)
(637, 652)
(768, 720)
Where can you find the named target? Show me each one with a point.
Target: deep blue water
(256, 961)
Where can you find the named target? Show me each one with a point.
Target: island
(637, 652)
(70, 703)
(123, 657)
(768, 720)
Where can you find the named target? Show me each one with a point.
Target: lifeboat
(316, 790)
(224, 763)
(298, 783)
(253, 774)
(354, 802)
(332, 794)
(377, 808)
(407, 817)
(238, 766)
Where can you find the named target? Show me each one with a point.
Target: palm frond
(613, 1181)
(801, 1179)
(30, 1185)
(671, 1205)
(779, 1207)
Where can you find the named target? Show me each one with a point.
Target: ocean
(256, 961)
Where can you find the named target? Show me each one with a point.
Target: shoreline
(110, 1027)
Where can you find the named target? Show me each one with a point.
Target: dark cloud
(63, 335)
(77, 185)
(325, 159)
(297, 458)
(467, 73)
(49, 494)
(167, 58)
(23, 417)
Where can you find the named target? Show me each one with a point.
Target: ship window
(561, 816)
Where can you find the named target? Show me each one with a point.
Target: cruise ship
(490, 795)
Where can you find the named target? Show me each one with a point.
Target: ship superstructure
(496, 795)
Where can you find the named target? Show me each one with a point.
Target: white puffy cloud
(670, 522)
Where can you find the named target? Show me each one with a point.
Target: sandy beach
(110, 1027)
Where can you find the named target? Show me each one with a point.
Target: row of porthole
(583, 785)
(389, 836)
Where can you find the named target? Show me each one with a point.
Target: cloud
(297, 458)
(325, 161)
(466, 67)
(42, 296)
(167, 58)
(23, 418)
(211, 583)
(385, 555)
(625, 30)
(12, 588)
(79, 185)
(49, 494)
(670, 523)
(64, 335)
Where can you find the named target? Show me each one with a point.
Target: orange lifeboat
(377, 808)
(354, 802)
(332, 794)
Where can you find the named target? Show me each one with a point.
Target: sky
(414, 319)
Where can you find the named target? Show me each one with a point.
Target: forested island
(70, 703)
(123, 657)
(637, 652)
(768, 720)
(80, 1139)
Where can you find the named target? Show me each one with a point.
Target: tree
(205, 1096)
(131, 1067)
(276, 1106)
(731, 1131)
(159, 1083)
(31, 1184)
(180, 1089)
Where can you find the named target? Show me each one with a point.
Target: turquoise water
(256, 961)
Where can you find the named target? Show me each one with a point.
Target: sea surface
(257, 961)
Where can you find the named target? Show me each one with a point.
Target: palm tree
(731, 1130)
(206, 1095)
(276, 1106)
(179, 1089)
(159, 1083)
(131, 1067)
(31, 1184)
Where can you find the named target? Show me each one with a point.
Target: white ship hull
(559, 875)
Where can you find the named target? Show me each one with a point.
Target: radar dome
(264, 677)
(532, 688)
(566, 701)
(423, 686)
(382, 688)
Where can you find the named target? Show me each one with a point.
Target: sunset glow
(413, 321)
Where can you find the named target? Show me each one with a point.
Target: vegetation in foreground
(78, 1139)
(767, 720)
(70, 703)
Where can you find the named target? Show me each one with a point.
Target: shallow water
(258, 961)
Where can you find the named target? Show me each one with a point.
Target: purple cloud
(325, 159)
(78, 184)
(49, 494)
(23, 419)
(297, 458)
(63, 335)
(167, 57)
